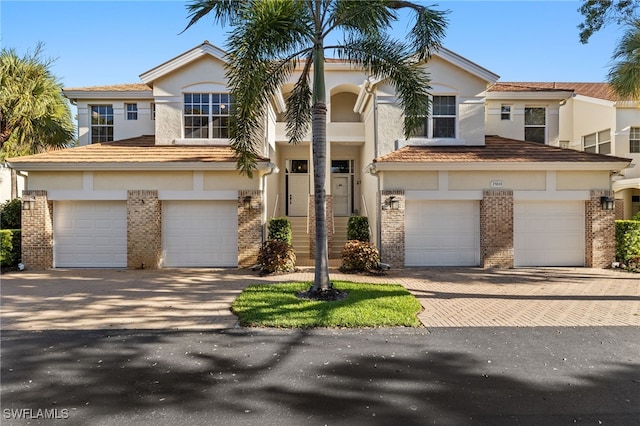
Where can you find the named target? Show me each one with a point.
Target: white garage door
(548, 233)
(442, 233)
(199, 233)
(90, 234)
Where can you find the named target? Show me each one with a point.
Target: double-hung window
(505, 112)
(599, 142)
(101, 123)
(535, 124)
(442, 120)
(131, 111)
(634, 140)
(206, 115)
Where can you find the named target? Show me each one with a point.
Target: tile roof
(132, 151)
(496, 149)
(130, 87)
(594, 90)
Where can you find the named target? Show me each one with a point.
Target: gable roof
(500, 152)
(136, 153)
(205, 49)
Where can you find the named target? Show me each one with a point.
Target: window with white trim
(131, 111)
(101, 123)
(634, 140)
(442, 121)
(153, 111)
(505, 112)
(599, 142)
(535, 124)
(206, 115)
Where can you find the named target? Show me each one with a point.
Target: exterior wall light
(607, 203)
(29, 202)
(246, 202)
(391, 203)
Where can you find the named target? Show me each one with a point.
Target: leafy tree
(34, 116)
(598, 13)
(269, 39)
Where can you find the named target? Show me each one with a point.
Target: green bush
(10, 214)
(276, 256)
(627, 240)
(360, 256)
(358, 228)
(10, 247)
(280, 229)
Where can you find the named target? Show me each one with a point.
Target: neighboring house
(589, 117)
(154, 182)
(5, 183)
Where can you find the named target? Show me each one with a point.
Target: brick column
(144, 229)
(496, 228)
(37, 232)
(600, 232)
(249, 227)
(392, 235)
(312, 224)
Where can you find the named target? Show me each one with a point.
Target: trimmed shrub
(358, 228)
(10, 214)
(627, 240)
(280, 229)
(360, 256)
(276, 256)
(10, 247)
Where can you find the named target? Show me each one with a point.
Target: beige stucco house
(154, 182)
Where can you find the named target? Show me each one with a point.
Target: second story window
(101, 123)
(599, 142)
(535, 124)
(634, 140)
(132, 111)
(442, 123)
(505, 112)
(206, 115)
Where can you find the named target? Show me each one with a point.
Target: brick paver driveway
(200, 298)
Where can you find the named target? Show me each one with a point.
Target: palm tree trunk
(319, 149)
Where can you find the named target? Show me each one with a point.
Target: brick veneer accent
(37, 232)
(600, 231)
(392, 230)
(249, 228)
(619, 209)
(144, 229)
(496, 229)
(312, 224)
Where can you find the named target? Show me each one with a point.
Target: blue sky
(109, 42)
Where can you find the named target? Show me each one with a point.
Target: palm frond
(624, 75)
(429, 29)
(298, 115)
(224, 11)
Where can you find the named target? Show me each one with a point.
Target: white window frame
(505, 112)
(211, 110)
(536, 126)
(600, 140)
(427, 130)
(634, 140)
(152, 116)
(131, 111)
(99, 130)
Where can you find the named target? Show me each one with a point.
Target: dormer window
(206, 115)
(442, 122)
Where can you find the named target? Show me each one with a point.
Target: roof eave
(533, 95)
(129, 166)
(382, 166)
(92, 94)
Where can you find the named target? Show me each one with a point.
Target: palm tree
(269, 39)
(624, 75)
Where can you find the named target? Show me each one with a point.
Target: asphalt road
(443, 376)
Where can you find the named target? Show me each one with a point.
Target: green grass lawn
(367, 305)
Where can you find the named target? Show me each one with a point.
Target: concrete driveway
(199, 299)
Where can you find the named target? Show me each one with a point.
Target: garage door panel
(90, 234)
(442, 233)
(200, 233)
(549, 233)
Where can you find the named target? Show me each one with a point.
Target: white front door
(340, 192)
(297, 187)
